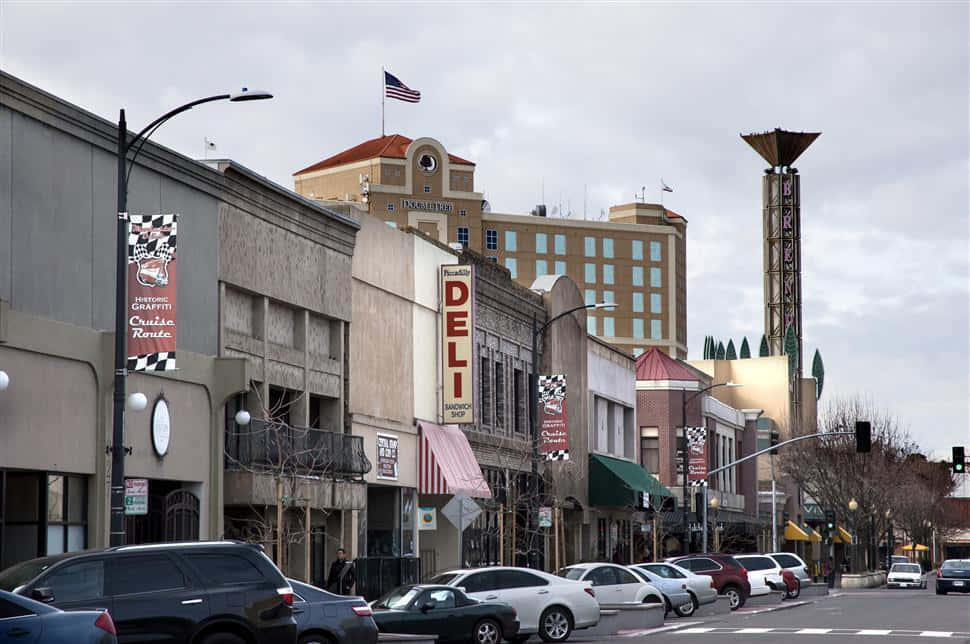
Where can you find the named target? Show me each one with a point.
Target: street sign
(545, 517)
(461, 510)
(136, 497)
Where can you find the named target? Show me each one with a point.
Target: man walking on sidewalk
(341, 579)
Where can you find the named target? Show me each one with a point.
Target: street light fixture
(136, 402)
(125, 146)
(243, 417)
(4, 380)
(714, 504)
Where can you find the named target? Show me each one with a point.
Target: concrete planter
(814, 590)
(863, 580)
(720, 607)
(625, 617)
(772, 598)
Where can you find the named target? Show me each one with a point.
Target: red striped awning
(447, 464)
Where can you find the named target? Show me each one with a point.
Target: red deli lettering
(456, 324)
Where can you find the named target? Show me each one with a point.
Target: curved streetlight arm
(705, 390)
(542, 329)
(164, 117)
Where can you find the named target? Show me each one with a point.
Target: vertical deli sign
(458, 309)
(151, 310)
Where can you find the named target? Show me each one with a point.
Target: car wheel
(555, 624)
(687, 609)
(734, 597)
(793, 594)
(314, 638)
(223, 638)
(487, 631)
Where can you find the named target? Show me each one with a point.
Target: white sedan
(905, 575)
(547, 605)
(614, 584)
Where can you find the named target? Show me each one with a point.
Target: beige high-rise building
(636, 259)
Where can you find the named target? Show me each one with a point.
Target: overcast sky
(611, 97)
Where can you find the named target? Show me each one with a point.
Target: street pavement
(871, 615)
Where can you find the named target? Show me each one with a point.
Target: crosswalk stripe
(752, 631)
(936, 634)
(694, 631)
(812, 631)
(874, 631)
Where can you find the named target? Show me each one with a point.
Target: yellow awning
(842, 536)
(794, 533)
(813, 535)
(917, 547)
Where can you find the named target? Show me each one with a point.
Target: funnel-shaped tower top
(780, 147)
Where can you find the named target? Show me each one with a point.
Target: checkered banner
(152, 315)
(553, 428)
(696, 456)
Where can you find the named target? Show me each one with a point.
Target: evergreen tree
(730, 354)
(720, 351)
(818, 372)
(707, 346)
(764, 352)
(791, 349)
(745, 349)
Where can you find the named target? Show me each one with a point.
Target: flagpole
(382, 100)
(661, 192)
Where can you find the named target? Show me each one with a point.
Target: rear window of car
(956, 565)
(701, 564)
(572, 573)
(479, 582)
(518, 579)
(664, 571)
(225, 568)
(786, 561)
(23, 572)
(757, 563)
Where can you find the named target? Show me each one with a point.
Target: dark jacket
(341, 578)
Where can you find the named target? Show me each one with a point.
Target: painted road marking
(650, 631)
(838, 632)
(694, 631)
(813, 631)
(753, 631)
(874, 631)
(935, 634)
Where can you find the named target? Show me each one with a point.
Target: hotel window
(638, 275)
(560, 268)
(463, 236)
(390, 207)
(654, 251)
(607, 247)
(560, 241)
(608, 296)
(541, 268)
(491, 239)
(609, 329)
(590, 325)
(392, 224)
(655, 277)
(637, 250)
(590, 243)
(656, 303)
(540, 242)
(638, 328)
(607, 273)
(590, 270)
(590, 296)
(650, 447)
(637, 352)
(656, 330)
(427, 188)
(493, 259)
(638, 302)
(513, 266)
(510, 240)
(462, 212)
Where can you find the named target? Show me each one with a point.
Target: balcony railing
(277, 448)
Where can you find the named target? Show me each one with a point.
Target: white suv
(793, 562)
(764, 573)
(545, 604)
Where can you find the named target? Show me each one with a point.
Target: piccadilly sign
(457, 304)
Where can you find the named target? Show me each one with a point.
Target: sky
(577, 104)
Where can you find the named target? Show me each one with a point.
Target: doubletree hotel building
(636, 259)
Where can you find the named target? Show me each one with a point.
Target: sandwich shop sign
(458, 309)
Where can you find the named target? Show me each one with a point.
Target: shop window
(636, 250)
(66, 513)
(408, 501)
(499, 395)
(383, 521)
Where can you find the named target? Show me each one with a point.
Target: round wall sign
(161, 427)
(427, 163)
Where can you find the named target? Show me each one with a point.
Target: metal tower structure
(781, 220)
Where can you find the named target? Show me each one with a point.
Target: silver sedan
(700, 586)
(674, 591)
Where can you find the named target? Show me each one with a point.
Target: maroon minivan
(730, 577)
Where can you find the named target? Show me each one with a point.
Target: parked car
(764, 573)
(701, 587)
(791, 561)
(730, 577)
(325, 618)
(26, 620)
(202, 591)
(905, 575)
(426, 609)
(614, 584)
(954, 577)
(674, 592)
(547, 605)
(900, 559)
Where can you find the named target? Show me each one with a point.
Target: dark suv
(730, 577)
(206, 592)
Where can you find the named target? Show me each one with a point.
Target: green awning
(616, 483)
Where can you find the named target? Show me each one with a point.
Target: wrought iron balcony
(277, 448)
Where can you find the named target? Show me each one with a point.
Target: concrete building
(636, 258)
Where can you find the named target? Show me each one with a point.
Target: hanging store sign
(161, 427)
(458, 309)
(136, 496)
(152, 305)
(387, 457)
(545, 517)
(553, 428)
(428, 518)
(697, 455)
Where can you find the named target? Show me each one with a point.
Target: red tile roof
(654, 364)
(392, 146)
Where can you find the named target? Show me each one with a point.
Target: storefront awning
(616, 483)
(794, 533)
(909, 547)
(813, 535)
(841, 535)
(447, 464)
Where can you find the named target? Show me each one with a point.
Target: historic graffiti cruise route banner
(553, 430)
(152, 303)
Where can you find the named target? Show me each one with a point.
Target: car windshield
(906, 568)
(956, 565)
(23, 572)
(571, 573)
(399, 597)
(443, 580)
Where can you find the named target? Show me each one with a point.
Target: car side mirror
(45, 595)
(426, 606)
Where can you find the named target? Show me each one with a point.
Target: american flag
(394, 88)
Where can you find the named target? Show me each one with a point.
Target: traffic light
(774, 441)
(959, 460)
(863, 436)
(829, 520)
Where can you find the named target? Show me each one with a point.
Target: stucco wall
(426, 320)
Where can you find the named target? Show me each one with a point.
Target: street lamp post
(537, 332)
(854, 565)
(714, 504)
(683, 416)
(126, 145)
(889, 539)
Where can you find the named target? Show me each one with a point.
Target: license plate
(958, 583)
